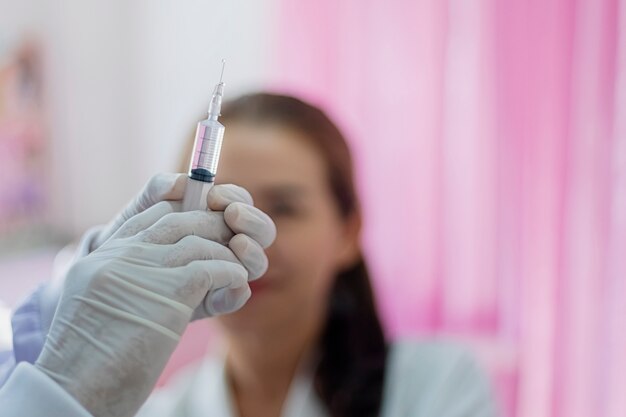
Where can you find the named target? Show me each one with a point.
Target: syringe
(206, 153)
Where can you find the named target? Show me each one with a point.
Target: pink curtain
(490, 141)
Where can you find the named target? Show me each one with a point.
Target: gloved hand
(232, 212)
(161, 187)
(125, 306)
(255, 231)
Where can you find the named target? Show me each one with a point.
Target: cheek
(306, 255)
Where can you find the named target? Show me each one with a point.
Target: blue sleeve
(7, 363)
(32, 319)
(28, 336)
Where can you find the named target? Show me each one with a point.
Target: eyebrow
(284, 191)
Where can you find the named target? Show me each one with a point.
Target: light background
(490, 140)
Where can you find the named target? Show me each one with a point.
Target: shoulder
(436, 378)
(429, 357)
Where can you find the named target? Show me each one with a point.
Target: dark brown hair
(350, 375)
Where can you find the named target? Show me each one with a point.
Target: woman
(310, 342)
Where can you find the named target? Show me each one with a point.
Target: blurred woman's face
(287, 178)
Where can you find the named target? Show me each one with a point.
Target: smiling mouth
(258, 286)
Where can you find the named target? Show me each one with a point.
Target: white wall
(126, 84)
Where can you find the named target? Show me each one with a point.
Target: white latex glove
(161, 187)
(255, 231)
(245, 229)
(171, 187)
(125, 306)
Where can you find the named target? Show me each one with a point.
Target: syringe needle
(223, 65)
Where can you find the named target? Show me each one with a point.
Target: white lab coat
(423, 379)
(28, 392)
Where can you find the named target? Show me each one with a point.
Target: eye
(280, 209)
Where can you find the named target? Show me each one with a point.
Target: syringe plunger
(207, 146)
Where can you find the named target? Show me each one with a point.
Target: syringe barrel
(206, 150)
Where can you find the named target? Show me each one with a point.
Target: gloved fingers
(250, 254)
(147, 218)
(146, 295)
(195, 280)
(161, 187)
(223, 301)
(194, 248)
(249, 220)
(173, 227)
(221, 195)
